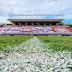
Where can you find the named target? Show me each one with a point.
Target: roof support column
(25, 23)
(32, 24)
(44, 24)
(50, 24)
(57, 23)
(38, 24)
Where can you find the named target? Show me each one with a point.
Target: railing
(54, 33)
(32, 16)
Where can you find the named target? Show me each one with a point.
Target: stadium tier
(35, 25)
(34, 30)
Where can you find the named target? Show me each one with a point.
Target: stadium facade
(30, 24)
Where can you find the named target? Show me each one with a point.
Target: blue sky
(36, 7)
(67, 21)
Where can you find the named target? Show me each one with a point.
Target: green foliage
(58, 43)
(70, 25)
(1, 25)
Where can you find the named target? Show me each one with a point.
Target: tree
(70, 25)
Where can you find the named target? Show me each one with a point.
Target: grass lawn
(57, 43)
(54, 42)
(12, 40)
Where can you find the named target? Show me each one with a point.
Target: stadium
(35, 25)
(35, 35)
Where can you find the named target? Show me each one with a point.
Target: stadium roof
(37, 17)
(35, 14)
(35, 20)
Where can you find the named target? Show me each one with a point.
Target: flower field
(35, 54)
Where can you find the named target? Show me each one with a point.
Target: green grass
(12, 40)
(56, 43)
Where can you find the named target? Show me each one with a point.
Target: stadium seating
(33, 29)
(61, 30)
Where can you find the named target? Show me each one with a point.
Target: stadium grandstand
(35, 25)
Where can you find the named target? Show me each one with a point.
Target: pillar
(50, 24)
(25, 23)
(56, 23)
(44, 24)
(32, 24)
(38, 24)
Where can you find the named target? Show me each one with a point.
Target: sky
(63, 7)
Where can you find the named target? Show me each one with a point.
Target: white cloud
(36, 7)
